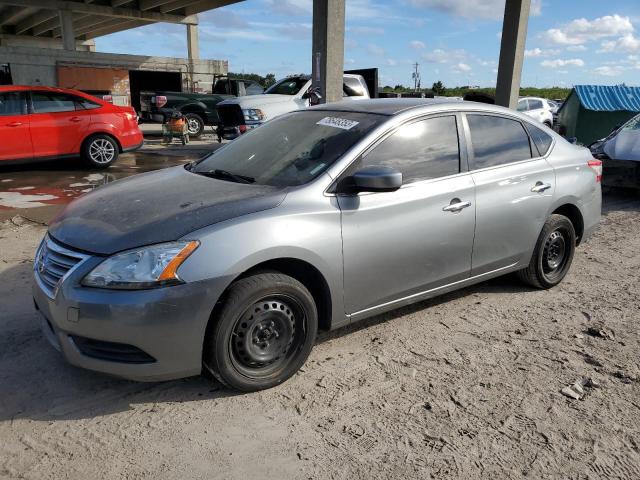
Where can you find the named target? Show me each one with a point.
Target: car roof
(22, 88)
(396, 106)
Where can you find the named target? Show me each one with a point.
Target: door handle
(75, 119)
(540, 187)
(456, 205)
(14, 124)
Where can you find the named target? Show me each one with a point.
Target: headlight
(146, 267)
(253, 115)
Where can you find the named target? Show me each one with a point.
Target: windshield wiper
(224, 175)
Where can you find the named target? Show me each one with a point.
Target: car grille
(53, 262)
(230, 115)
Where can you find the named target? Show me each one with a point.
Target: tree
(438, 88)
(269, 79)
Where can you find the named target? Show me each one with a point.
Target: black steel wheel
(263, 334)
(553, 253)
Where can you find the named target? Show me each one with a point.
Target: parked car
(238, 115)
(54, 123)
(540, 109)
(198, 108)
(319, 218)
(620, 155)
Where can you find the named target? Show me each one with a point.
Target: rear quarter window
(541, 139)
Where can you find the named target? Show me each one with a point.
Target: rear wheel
(263, 334)
(99, 151)
(553, 254)
(195, 124)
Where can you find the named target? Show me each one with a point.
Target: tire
(99, 151)
(263, 334)
(553, 254)
(195, 125)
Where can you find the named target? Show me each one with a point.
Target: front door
(514, 191)
(15, 140)
(58, 123)
(399, 244)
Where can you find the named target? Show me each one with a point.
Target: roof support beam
(13, 15)
(149, 4)
(35, 20)
(117, 27)
(203, 5)
(68, 33)
(125, 13)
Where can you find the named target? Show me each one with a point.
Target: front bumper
(167, 324)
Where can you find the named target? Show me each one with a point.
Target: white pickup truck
(237, 115)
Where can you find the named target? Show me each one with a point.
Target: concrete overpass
(69, 22)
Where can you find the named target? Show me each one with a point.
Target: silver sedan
(317, 219)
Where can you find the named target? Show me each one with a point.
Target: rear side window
(11, 103)
(352, 87)
(535, 104)
(420, 150)
(50, 102)
(541, 139)
(522, 106)
(497, 140)
(85, 104)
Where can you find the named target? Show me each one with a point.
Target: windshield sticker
(336, 122)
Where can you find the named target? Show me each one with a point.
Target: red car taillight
(242, 128)
(160, 100)
(596, 166)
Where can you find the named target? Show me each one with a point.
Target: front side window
(497, 140)
(289, 150)
(421, 150)
(52, 102)
(11, 103)
(288, 86)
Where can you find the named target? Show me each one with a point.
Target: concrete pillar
(193, 46)
(328, 48)
(68, 34)
(514, 36)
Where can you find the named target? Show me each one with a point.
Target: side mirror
(376, 179)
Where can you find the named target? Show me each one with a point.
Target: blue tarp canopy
(604, 98)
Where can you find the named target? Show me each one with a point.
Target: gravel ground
(463, 386)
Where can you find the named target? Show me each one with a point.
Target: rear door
(514, 190)
(58, 122)
(15, 140)
(399, 244)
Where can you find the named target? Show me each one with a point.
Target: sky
(455, 41)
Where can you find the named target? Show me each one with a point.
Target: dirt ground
(464, 386)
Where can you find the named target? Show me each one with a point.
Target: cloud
(461, 67)
(417, 45)
(538, 52)
(573, 62)
(576, 48)
(444, 56)
(473, 9)
(627, 44)
(609, 70)
(291, 8)
(366, 30)
(299, 31)
(391, 62)
(581, 30)
(376, 50)
(223, 19)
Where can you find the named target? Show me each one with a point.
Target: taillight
(159, 100)
(242, 128)
(596, 166)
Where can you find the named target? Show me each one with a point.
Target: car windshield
(289, 150)
(633, 124)
(288, 86)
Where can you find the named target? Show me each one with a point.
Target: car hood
(252, 101)
(624, 146)
(156, 207)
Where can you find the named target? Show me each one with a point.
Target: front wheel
(195, 124)
(99, 151)
(553, 254)
(263, 334)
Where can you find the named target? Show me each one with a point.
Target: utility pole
(416, 77)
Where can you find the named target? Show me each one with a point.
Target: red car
(44, 122)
